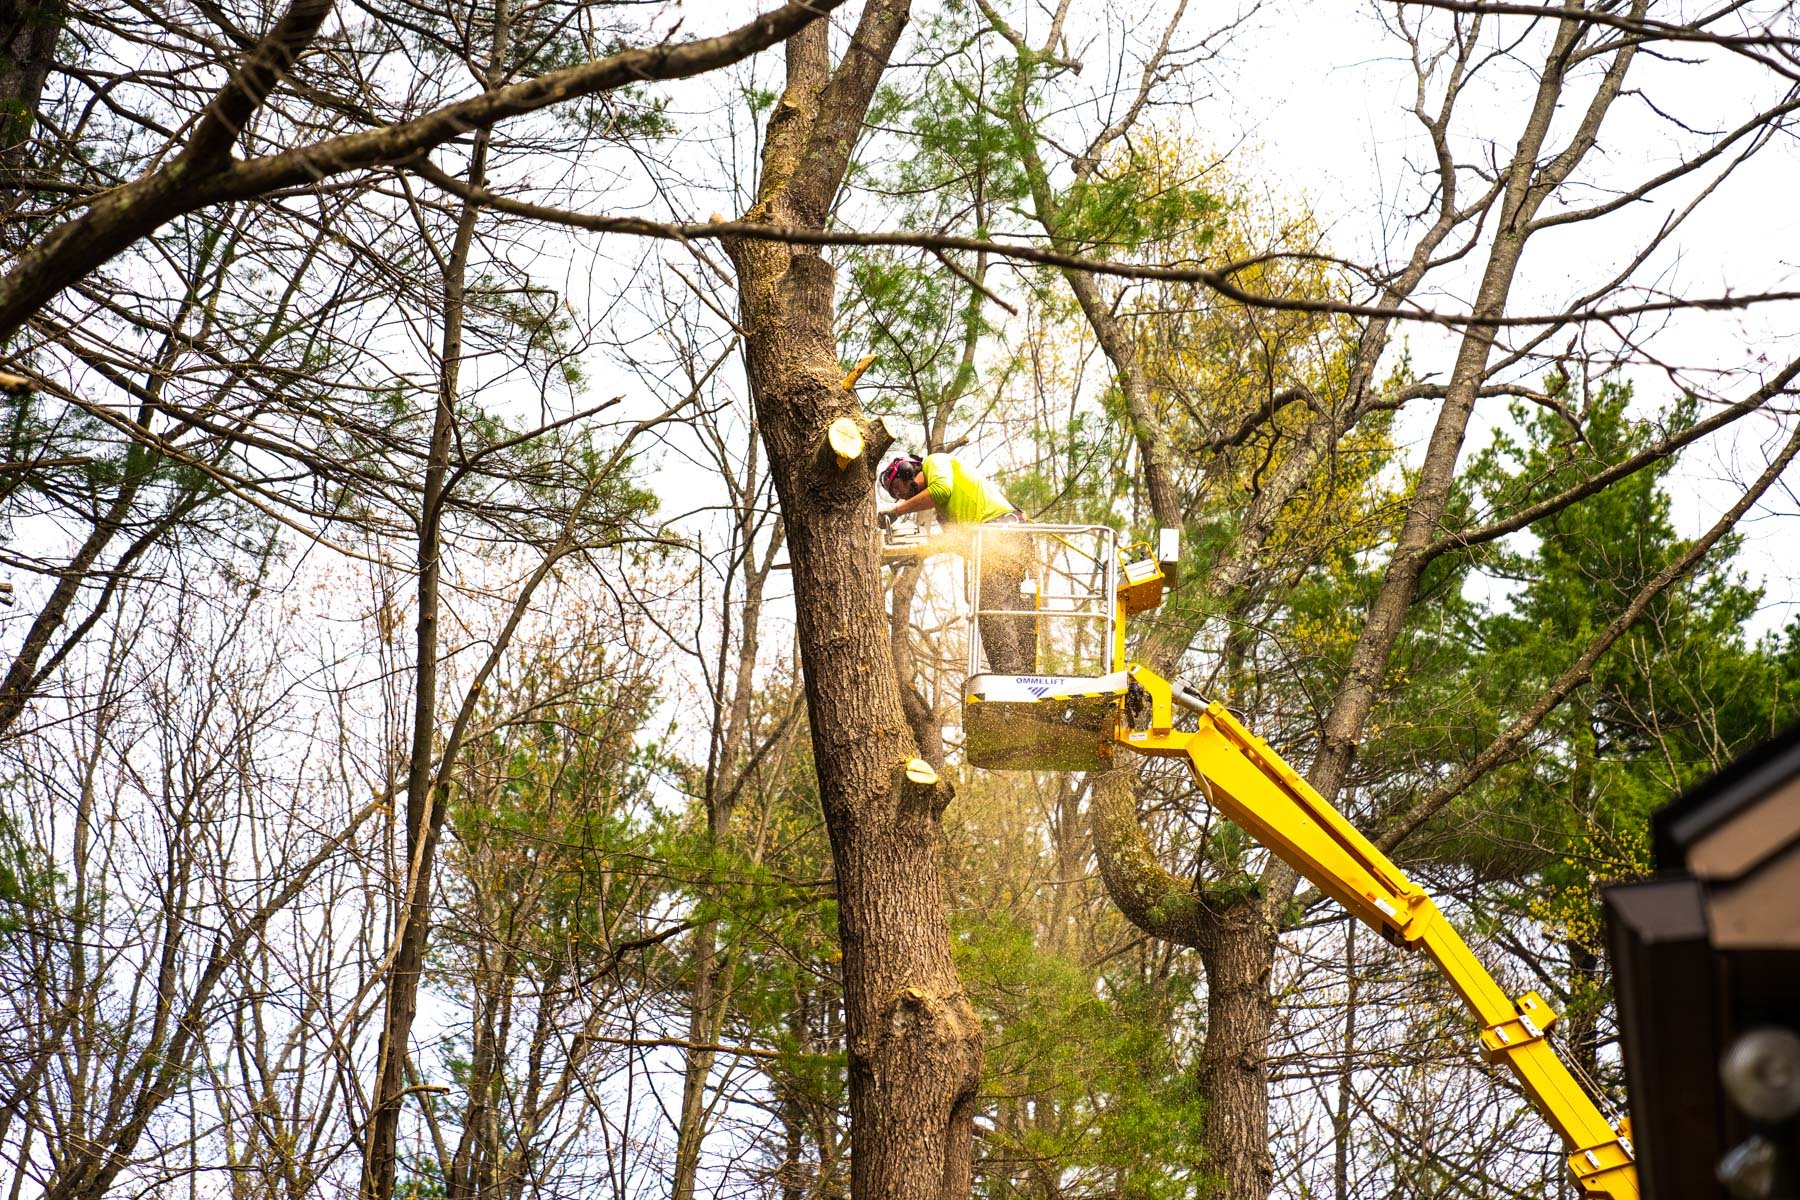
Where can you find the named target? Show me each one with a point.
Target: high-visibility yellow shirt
(961, 496)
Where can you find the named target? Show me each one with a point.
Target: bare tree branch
(1646, 29)
(1218, 279)
(1777, 385)
(116, 219)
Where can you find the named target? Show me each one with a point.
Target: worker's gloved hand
(885, 518)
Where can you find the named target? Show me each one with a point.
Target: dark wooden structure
(1705, 954)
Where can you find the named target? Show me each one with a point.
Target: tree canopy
(460, 736)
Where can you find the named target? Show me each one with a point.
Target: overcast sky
(1312, 101)
(1319, 94)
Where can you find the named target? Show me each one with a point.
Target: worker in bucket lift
(962, 497)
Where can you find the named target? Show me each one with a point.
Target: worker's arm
(918, 503)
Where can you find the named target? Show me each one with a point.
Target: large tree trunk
(914, 1041)
(28, 33)
(1233, 1070)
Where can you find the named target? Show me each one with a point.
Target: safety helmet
(907, 464)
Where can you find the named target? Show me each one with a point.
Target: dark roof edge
(1717, 798)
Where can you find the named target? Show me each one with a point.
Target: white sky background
(1320, 98)
(1311, 102)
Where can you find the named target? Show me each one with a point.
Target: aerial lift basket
(1065, 610)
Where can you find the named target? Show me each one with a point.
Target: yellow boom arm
(1251, 784)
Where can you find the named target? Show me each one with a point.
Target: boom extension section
(1251, 784)
(1064, 593)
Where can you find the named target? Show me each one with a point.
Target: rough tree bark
(914, 1041)
(28, 33)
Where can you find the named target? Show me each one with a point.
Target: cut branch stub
(852, 439)
(856, 372)
(921, 788)
(845, 438)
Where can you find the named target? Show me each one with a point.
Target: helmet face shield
(897, 475)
